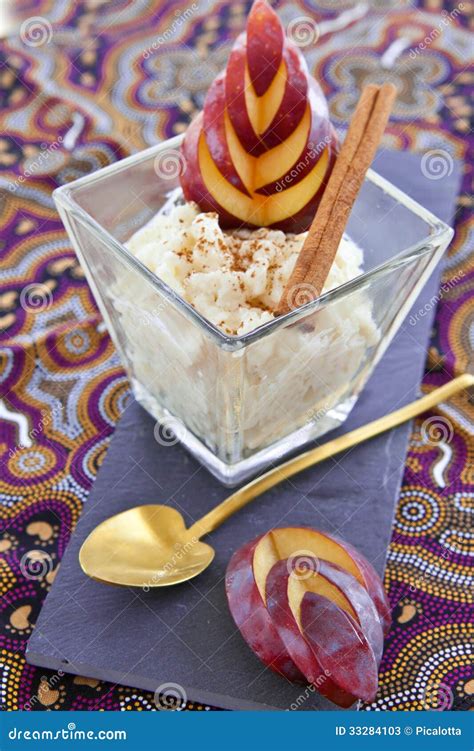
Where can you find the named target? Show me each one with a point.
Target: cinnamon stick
(355, 157)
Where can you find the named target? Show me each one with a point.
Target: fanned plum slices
(322, 624)
(262, 150)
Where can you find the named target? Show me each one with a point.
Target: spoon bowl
(146, 546)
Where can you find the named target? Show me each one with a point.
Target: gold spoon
(149, 546)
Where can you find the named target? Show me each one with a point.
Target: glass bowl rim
(64, 199)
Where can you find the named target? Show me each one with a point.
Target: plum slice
(339, 645)
(264, 45)
(252, 618)
(332, 582)
(299, 649)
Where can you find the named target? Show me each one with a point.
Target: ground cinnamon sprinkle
(233, 278)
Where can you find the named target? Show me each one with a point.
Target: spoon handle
(256, 487)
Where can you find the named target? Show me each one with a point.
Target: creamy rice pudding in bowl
(240, 401)
(234, 280)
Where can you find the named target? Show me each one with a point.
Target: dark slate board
(185, 634)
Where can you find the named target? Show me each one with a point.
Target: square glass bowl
(240, 402)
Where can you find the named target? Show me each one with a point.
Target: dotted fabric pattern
(85, 84)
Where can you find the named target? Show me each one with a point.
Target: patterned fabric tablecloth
(85, 83)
